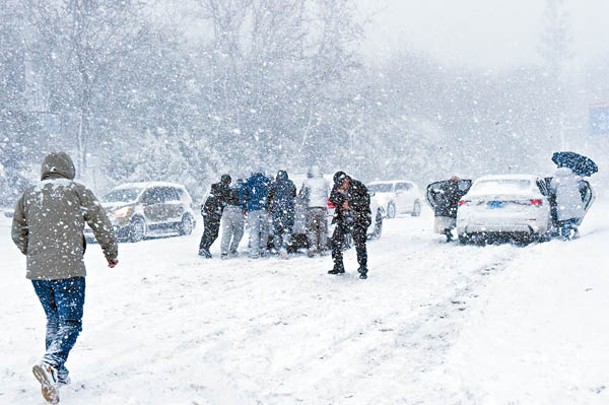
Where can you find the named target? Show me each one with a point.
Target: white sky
(485, 33)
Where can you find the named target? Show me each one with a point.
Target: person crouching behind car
(569, 205)
(212, 214)
(351, 215)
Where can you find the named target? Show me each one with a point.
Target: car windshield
(122, 195)
(380, 188)
(501, 186)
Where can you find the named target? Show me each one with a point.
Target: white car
(397, 197)
(511, 207)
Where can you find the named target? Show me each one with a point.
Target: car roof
(508, 177)
(148, 184)
(390, 182)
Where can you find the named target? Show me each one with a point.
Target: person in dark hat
(351, 215)
(212, 214)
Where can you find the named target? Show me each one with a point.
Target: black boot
(337, 270)
(449, 235)
(363, 272)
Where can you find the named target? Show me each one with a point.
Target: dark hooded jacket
(281, 197)
(359, 203)
(49, 220)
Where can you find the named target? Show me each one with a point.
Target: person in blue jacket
(256, 192)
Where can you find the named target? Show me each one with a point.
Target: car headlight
(123, 213)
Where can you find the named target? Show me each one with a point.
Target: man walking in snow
(212, 214)
(351, 215)
(48, 225)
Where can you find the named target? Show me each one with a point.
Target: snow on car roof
(390, 181)
(148, 184)
(507, 177)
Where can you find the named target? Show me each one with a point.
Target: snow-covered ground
(435, 323)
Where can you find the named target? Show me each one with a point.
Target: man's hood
(58, 164)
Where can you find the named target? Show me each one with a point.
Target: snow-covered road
(435, 323)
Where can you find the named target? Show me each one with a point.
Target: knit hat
(225, 179)
(339, 176)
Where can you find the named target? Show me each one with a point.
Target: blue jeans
(63, 302)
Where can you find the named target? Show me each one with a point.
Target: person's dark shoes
(47, 377)
(363, 272)
(363, 276)
(204, 253)
(337, 270)
(449, 235)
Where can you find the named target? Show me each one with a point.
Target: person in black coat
(281, 206)
(444, 198)
(212, 214)
(351, 215)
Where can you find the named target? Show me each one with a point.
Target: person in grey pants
(233, 221)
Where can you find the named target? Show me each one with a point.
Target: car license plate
(495, 204)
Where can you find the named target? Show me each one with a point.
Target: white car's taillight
(463, 202)
(536, 202)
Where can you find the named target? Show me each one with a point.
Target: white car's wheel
(416, 209)
(391, 210)
(377, 225)
(186, 226)
(137, 231)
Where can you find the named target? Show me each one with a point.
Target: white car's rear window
(501, 186)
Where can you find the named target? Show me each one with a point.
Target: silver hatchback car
(139, 210)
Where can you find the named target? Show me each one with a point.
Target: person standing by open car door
(569, 206)
(351, 215)
(48, 225)
(444, 196)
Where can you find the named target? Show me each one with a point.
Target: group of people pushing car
(268, 205)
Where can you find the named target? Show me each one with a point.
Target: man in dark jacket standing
(212, 214)
(48, 225)
(351, 215)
